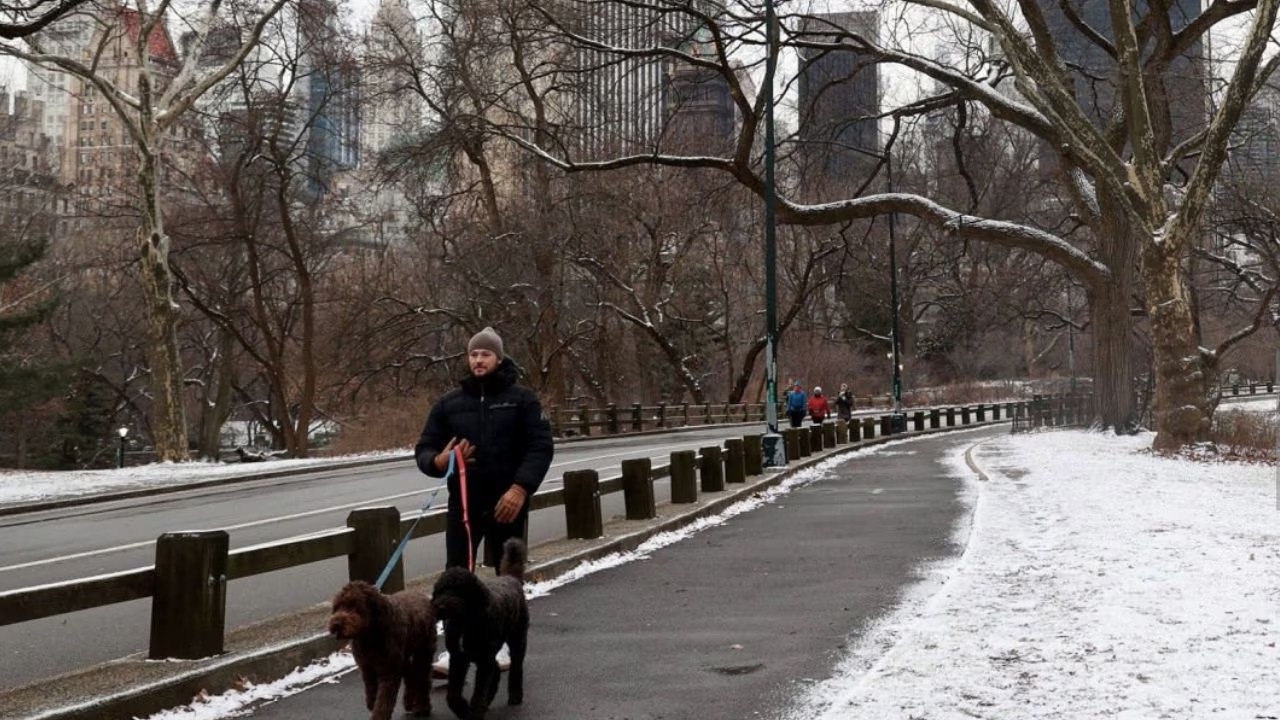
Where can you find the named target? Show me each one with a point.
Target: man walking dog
(506, 442)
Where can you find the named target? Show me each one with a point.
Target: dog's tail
(514, 557)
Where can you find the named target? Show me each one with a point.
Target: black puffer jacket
(504, 421)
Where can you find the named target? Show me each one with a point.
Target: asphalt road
(729, 622)
(83, 541)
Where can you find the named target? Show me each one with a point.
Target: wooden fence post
(686, 414)
(662, 414)
(712, 468)
(828, 435)
(585, 427)
(886, 425)
(935, 418)
(753, 450)
(189, 607)
(951, 417)
(637, 417)
(791, 441)
(982, 413)
(964, 415)
(735, 461)
(377, 532)
(817, 437)
(995, 411)
(868, 428)
(803, 435)
(637, 489)
(684, 479)
(615, 423)
(842, 432)
(706, 413)
(582, 516)
(917, 421)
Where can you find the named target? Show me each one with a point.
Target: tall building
(98, 156)
(392, 112)
(700, 116)
(1096, 75)
(52, 88)
(620, 102)
(28, 185)
(331, 95)
(839, 98)
(1254, 157)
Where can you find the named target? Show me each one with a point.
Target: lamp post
(123, 431)
(899, 420)
(772, 447)
(1071, 340)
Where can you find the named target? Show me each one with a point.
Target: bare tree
(1137, 180)
(22, 19)
(149, 111)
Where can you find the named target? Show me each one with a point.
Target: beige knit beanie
(486, 339)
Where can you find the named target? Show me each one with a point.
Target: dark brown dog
(478, 618)
(393, 638)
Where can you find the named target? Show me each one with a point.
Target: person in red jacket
(818, 407)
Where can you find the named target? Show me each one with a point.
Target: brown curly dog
(393, 638)
(478, 618)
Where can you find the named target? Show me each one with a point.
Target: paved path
(727, 623)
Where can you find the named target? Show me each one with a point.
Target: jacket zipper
(484, 418)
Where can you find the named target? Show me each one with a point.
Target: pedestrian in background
(844, 403)
(797, 404)
(818, 407)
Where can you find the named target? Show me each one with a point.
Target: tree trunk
(1183, 380)
(215, 410)
(1110, 300)
(1115, 404)
(169, 421)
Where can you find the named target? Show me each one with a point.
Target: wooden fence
(188, 583)
(617, 419)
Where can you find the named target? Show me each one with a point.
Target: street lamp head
(123, 431)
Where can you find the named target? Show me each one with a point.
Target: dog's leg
(457, 681)
(417, 683)
(518, 644)
(486, 686)
(370, 684)
(388, 688)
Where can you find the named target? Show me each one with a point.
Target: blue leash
(395, 556)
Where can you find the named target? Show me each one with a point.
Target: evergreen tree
(24, 382)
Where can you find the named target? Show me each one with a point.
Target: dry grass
(1246, 436)
(396, 424)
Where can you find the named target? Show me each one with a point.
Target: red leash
(466, 513)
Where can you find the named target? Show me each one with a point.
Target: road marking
(241, 526)
(297, 516)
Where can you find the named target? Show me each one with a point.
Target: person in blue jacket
(797, 404)
(506, 441)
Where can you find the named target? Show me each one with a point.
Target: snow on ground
(1097, 580)
(26, 486)
(1259, 405)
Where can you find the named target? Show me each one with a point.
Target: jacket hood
(503, 377)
